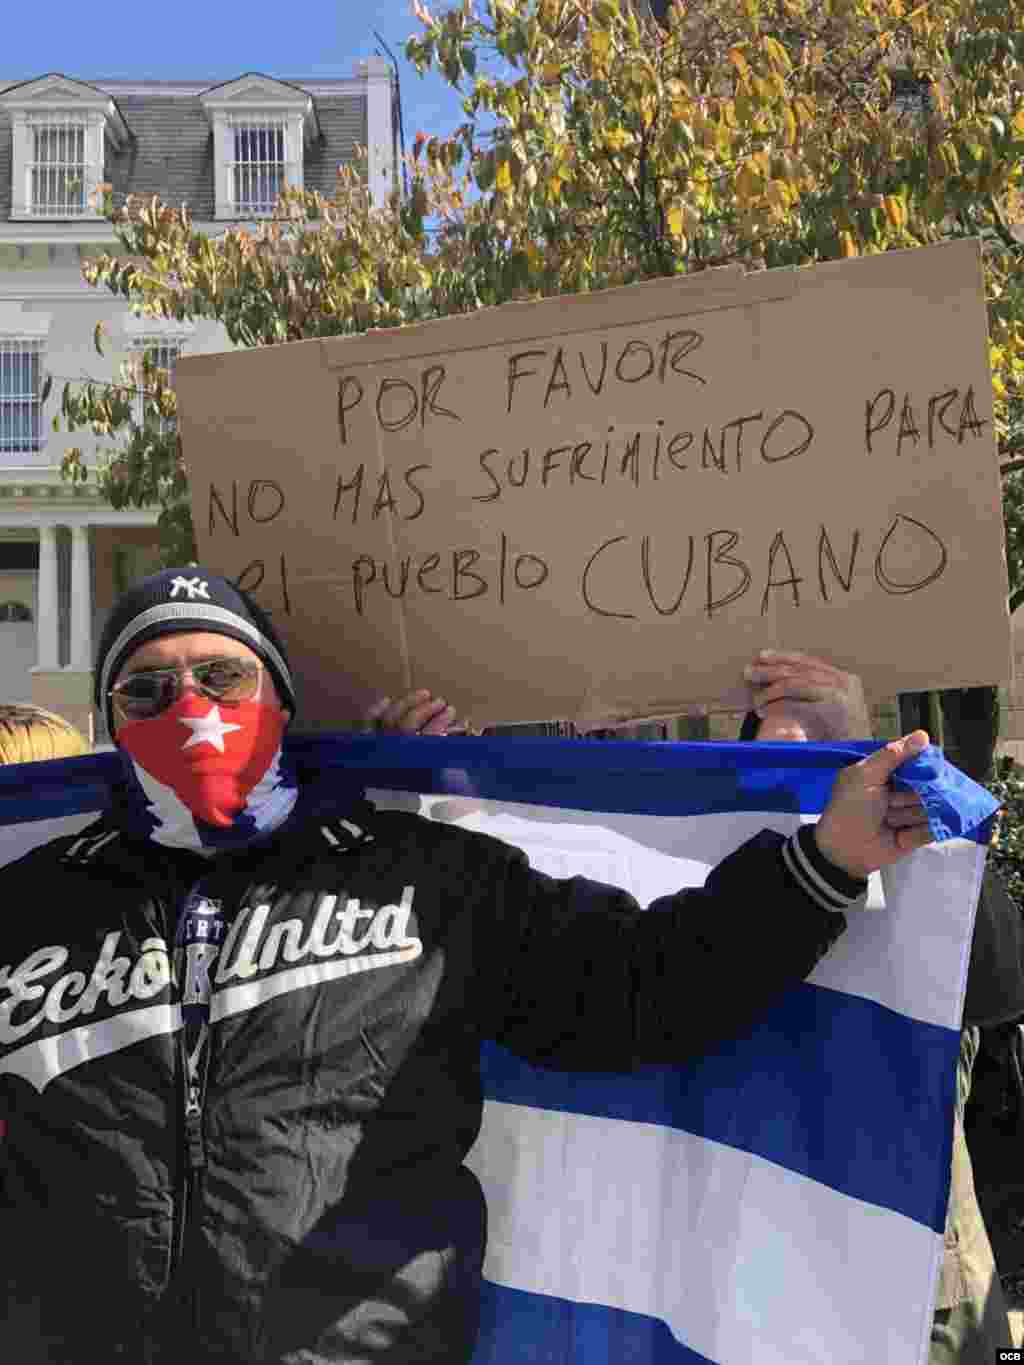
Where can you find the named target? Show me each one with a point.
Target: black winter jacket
(319, 1211)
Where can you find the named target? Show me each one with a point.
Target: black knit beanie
(179, 600)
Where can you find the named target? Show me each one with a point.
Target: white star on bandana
(208, 729)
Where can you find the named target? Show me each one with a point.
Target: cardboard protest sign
(601, 506)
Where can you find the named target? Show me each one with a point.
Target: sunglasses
(228, 681)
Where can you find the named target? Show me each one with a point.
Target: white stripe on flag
(17, 840)
(746, 1262)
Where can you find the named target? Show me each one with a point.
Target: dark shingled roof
(343, 124)
(170, 151)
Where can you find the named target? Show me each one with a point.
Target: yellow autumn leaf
(683, 219)
(777, 54)
(739, 61)
(1017, 123)
(552, 72)
(788, 127)
(503, 177)
(555, 186)
(805, 109)
(777, 196)
(617, 139)
(748, 184)
(847, 245)
(895, 212)
(600, 45)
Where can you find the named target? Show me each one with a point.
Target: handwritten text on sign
(607, 510)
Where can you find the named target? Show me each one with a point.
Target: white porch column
(46, 602)
(81, 600)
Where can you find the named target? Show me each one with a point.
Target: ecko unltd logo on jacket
(123, 1000)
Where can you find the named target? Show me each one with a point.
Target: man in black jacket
(239, 1027)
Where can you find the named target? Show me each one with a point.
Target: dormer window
(60, 131)
(259, 171)
(260, 128)
(59, 169)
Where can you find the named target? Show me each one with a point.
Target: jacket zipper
(191, 1100)
(193, 1142)
(193, 1151)
(194, 1148)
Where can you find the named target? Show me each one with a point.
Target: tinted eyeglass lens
(228, 679)
(146, 694)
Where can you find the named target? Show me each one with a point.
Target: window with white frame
(60, 131)
(160, 352)
(21, 408)
(261, 127)
(58, 169)
(258, 171)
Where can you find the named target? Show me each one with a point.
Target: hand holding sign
(417, 713)
(798, 697)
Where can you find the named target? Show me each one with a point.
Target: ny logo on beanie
(195, 587)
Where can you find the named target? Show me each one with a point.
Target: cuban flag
(778, 1202)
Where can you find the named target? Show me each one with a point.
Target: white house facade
(227, 151)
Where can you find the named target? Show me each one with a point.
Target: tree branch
(1005, 235)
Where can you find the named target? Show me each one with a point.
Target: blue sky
(218, 39)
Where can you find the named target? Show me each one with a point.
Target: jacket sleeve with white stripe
(579, 977)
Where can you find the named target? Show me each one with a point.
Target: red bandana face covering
(210, 756)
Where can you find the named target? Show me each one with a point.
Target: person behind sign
(240, 1016)
(800, 697)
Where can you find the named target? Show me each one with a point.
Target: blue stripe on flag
(517, 1328)
(625, 777)
(838, 1137)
